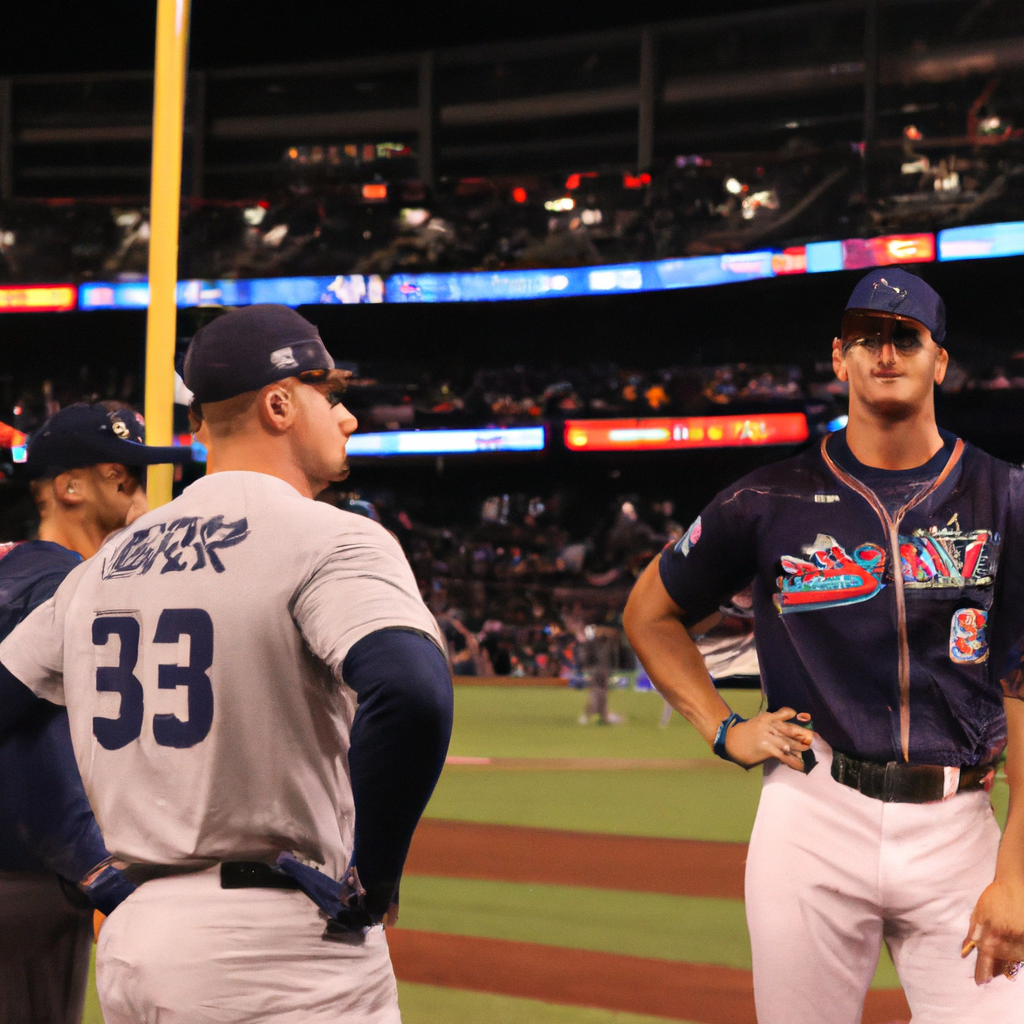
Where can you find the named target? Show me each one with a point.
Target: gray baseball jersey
(200, 654)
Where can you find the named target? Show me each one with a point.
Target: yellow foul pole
(172, 22)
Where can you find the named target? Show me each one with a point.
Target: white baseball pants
(831, 874)
(182, 950)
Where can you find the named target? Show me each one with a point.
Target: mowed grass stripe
(685, 928)
(431, 1004)
(716, 806)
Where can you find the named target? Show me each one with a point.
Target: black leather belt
(253, 874)
(234, 874)
(898, 782)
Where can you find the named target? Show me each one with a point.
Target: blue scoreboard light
(448, 442)
(982, 241)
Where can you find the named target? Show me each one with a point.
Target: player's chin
(894, 405)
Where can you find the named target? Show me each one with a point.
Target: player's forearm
(671, 658)
(398, 745)
(676, 668)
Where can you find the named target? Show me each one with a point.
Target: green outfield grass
(698, 804)
(697, 929)
(542, 722)
(714, 803)
(426, 1004)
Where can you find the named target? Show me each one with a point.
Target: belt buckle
(950, 782)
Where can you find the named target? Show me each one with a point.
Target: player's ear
(115, 473)
(276, 407)
(941, 364)
(70, 488)
(838, 359)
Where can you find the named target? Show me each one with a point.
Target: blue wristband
(719, 744)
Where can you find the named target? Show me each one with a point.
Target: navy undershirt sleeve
(45, 813)
(16, 700)
(398, 745)
(45, 818)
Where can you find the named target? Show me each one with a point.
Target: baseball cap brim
(71, 452)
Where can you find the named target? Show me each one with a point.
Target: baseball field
(569, 874)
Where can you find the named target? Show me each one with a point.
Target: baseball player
(888, 598)
(211, 659)
(85, 464)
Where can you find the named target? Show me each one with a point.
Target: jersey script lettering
(189, 543)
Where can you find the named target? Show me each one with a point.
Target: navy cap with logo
(891, 290)
(248, 348)
(83, 435)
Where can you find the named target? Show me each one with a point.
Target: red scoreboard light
(37, 298)
(688, 432)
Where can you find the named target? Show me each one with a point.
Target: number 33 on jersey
(123, 631)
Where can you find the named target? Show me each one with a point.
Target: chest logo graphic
(189, 543)
(828, 576)
(968, 644)
(947, 557)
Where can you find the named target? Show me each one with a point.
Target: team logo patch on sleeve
(829, 577)
(690, 538)
(968, 644)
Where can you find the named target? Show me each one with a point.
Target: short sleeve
(715, 558)
(33, 651)
(361, 585)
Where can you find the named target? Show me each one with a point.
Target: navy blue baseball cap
(248, 348)
(891, 290)
(83, 435)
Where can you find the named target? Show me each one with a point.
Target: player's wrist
(718, 746)
(106, 886)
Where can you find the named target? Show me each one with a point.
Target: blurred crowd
(388, 398)
(328, 215)
(396, 396)
(520, 590)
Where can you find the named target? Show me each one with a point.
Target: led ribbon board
(976, 241)
(667, 433)
(982, 241)
(37, 298)
(342, 289)
(448, 442)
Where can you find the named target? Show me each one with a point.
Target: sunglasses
(332, 384)
(872, 332)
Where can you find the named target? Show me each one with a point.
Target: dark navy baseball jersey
(45, 819)
(887, 605)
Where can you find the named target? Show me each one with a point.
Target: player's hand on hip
(997, 931)
(767, 735)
